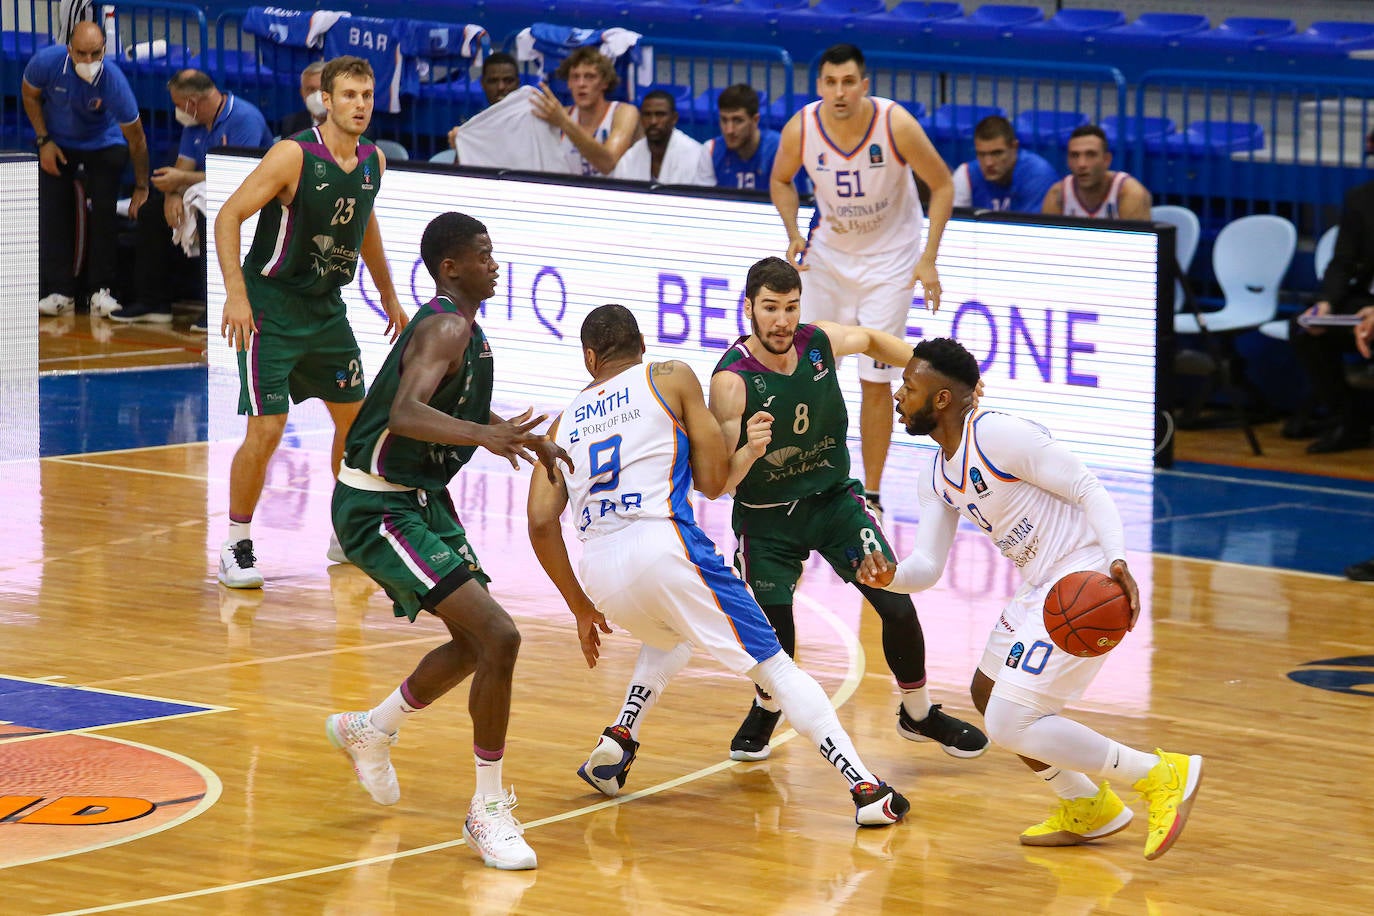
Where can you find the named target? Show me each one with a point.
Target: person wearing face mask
(85, 118)
(314, 112)
(211, 119)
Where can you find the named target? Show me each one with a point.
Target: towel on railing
(546, 45)
(290, 28)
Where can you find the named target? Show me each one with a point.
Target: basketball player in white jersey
(864, 249)
(596, 132)
(1091, 188)
(640, 437)
(1050, 516)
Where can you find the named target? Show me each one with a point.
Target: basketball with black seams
(1087, 613)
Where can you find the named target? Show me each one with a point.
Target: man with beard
(664, 154)
(1091, 189)
(1050, 516)
(282, 310)
(800, 498)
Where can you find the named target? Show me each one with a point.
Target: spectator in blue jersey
(1002, 176)
(86, 123)
(742, 156)
(211, 119)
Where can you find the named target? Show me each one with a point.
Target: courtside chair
(1187, 231)
(1249, 259)
(393, 151)
(1321, 259)
(444, 156)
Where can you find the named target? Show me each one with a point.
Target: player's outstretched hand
(876, 570)
(758, 433)
(549, 455)
(795, 248)
(512, 439)
(589, 620)
(1123, 578)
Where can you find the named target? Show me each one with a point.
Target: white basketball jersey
(1031, 526)
(576, 164)
(629, 456)
(1110, 208)
(866, 198)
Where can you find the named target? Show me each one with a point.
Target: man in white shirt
(664, 154)
(1050, 516)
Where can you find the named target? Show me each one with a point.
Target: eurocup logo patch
(340, 379)
(1014, 656)
(820, 161)
(979, 485)
(851, 553)
(817, 360)
(875, 155)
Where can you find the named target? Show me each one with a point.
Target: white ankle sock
(1128, 763)
(240, 531)
(488, 772)
(916, 701)
(391, 712)
(1068, 784)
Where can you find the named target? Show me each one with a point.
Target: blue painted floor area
(1260, 518)
(122, 409)
(58, 707)
(1263, 518)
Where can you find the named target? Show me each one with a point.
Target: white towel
(186, 233)
(508, 135)
(322, 21)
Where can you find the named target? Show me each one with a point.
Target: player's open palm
(876, 570)
(513, 439)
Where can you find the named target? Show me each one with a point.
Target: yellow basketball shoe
(1169, 789)
(1080, 820)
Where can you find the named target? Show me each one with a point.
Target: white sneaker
(56, 304)
(103, 304)
(370, 750)
(335, 553)
(494, 832)
(238, 566)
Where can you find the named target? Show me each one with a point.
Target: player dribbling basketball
(1049, 515)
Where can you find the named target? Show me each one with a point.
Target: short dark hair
(611, 331)
(345, 65)
(499, 57)
(1091, 130)
(774, 273)
(660, 94)
(841, 54)
(995, 127)
(950, 359)
(446, 235)
(740, 95)
(191, 82)
(589, 55)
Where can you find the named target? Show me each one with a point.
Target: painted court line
(854, 675)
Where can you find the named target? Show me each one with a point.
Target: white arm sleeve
(963, 190)
(925, 564)
(1027, 450)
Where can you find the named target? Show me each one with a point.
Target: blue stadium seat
(827, 16)
(956, 122)
(1124, 131)
(1043, 126)
(1239, 33)
(779, 112)
(1216, 138)
(914, 11)
(915, 108)
(1327, 38)
(1155, 30)
(20, 46)
(1072, 26)
(988, 22)
(682, 96)
(749, 14)
(675, 12)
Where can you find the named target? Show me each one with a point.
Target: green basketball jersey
(373, 448)
(808, 453)
(311, 246)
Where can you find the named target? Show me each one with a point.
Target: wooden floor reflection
(106, 582)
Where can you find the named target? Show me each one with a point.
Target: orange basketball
(1087, 613)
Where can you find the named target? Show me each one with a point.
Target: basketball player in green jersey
(799, 496)
(283, 311)
(427, 413)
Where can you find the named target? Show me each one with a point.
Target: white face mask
(314, 102)
(88, 70)
(184, 118)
